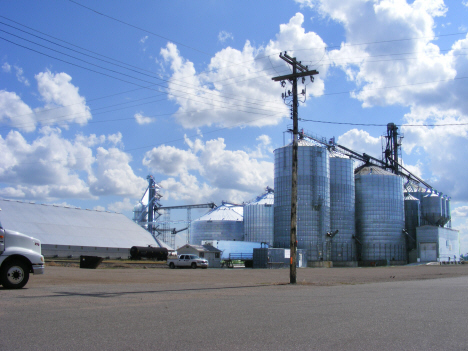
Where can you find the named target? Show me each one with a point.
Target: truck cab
(20, 255)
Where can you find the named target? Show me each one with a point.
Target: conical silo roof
(267, 198)
(225, 212)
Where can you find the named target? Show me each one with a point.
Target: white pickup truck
(187, 261)
(19, 255)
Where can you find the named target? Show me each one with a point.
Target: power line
(150, 71)
(326, 94)
(139, 28)
(384, 125)
(123, 80)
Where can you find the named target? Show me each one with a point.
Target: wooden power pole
(299, 71)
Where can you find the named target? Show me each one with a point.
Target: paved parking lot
(389, 308)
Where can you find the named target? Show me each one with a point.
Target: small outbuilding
(208, 252)
(437, 244)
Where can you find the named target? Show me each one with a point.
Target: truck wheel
(14, 275)
(194, 265)
(171, 265)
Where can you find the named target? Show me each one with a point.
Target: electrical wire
(108, 75)
(139, 28)
(384, 125)
(166, 80)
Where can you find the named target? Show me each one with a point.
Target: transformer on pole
(299, 71)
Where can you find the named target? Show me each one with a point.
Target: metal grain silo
(313, 198)
(449, 213)
(342, 209)
(222, 223)
(258, 218)
(380, 215)
(431, 209)
(412, 219)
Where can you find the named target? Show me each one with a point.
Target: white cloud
(431, 83)
(63, 103)
(6, 67)
(122, 206)
(51, 167)
(230, 175)
(361, 142)
(114, 176)
(45, 169)
(115, 139)
(170, 160)
(223, 36)
(237, 88)
(305, 3)
(19, 75)
(143, 40)
(16, 112)
(263, 148)
(461, 211)
(140, 119)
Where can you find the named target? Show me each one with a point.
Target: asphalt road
(160, 309)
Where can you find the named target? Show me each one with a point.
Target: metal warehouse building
(69, 231)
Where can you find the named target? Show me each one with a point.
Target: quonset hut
(225, 222)
(66, 231)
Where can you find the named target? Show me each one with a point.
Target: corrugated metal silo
(449, 213)
(380, 215)
(222, 223)
(313, 198)
(258, 219)
(431, 209)
(342, 209)
(412, 219)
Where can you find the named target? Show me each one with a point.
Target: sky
(96, 96)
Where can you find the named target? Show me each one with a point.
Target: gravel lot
(127, 307)
(147, 273)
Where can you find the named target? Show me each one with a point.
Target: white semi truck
(19, 255)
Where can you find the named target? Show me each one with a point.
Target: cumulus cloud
(140, 119)
(170, 160)
(393, 58)
(114, 176)
(361, 142)
(52, 167)
(461, 211)
(237, 87)
(15, 112)
(121, 206)
(63, 103)
(230, 175)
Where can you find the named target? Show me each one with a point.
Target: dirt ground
(149, 273)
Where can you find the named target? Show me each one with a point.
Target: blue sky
(182, 90)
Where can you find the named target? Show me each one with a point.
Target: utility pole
(299, 71)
